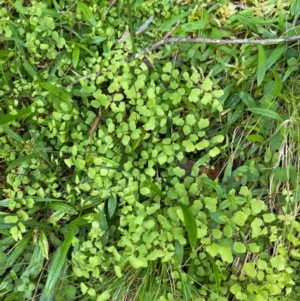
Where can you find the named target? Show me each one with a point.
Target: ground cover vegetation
(170, 174)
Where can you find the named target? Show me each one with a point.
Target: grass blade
(34, 224)
(57, 264)
(60, 256)
(36, 263)
(193, 26)
(109, 161)
(19, 161)
(87, 13)
(19, 249)
(4, 119)
(75, 56)
(58, 62)
(86, 49)
(96, 40)
(261, 68)
(154, 188)
(275, 55)
(179, 253)
(13, 296)
(31, 70)
(44, 200)
(111, 206)
(26, 11)
(267, 113)
(58, 92)
(11, 133)
(61, 207)
(216, 274)
(131, 30)
(190, 224)
(167, 25)
(17, 40)
(44, 244)
(277, 84)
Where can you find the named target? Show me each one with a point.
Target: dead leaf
(188, 166)
(125, 35)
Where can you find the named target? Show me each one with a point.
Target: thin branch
(77, 81)
(215, 41)
(166, 40)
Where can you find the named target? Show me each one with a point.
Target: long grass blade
(12, 134)
(190, 225)
(267, 113)
(7, 118)
(87, 13)
(61, 255)
(21, 160)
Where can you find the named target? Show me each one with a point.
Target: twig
(94, 127)
(75, 82)
(215, 41)
(166, 40)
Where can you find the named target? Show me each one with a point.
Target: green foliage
(170, 177)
